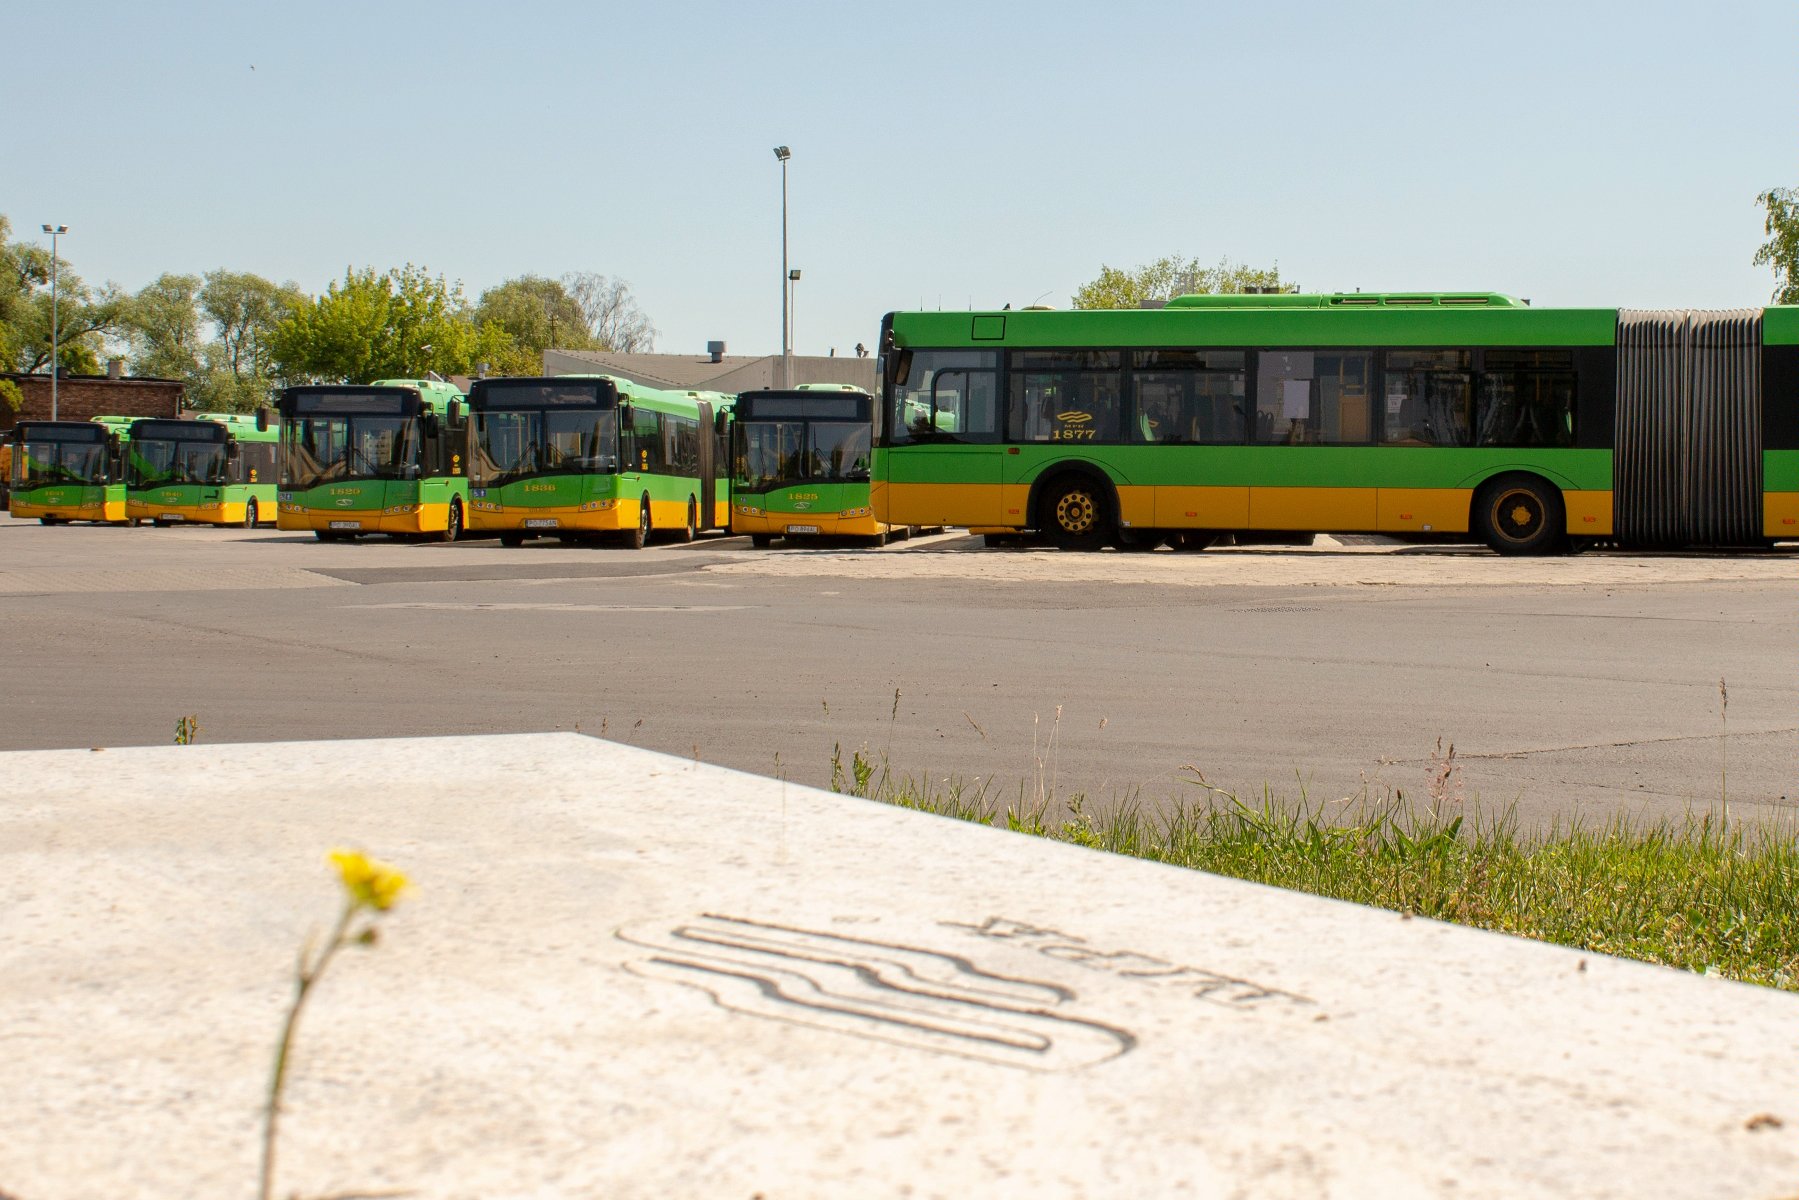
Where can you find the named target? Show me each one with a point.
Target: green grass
(1702, 895)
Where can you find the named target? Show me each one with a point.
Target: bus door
(708, 442)
(948, 409)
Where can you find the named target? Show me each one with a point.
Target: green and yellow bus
(1419, 415)
(383, 457)
(67, 471)
(800, 464)
(594, 456)
(214, 469)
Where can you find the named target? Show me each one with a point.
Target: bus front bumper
(408, 518)
(853, 523)
(595, 516)
(107, 512)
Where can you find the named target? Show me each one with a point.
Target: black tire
(1076, 513)
(692, 528)
(1264, 537)
(46, 520)
(328, 535)
(1192, 539)
(512, 539)
(1521, 514)
(878, 540)
(452, 522)
(1139, 541)
(250, 513)
(762, 541)
(639, 537)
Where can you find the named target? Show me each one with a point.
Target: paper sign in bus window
(1296, 399)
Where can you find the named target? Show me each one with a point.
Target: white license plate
(542, 522)
(172, 517)
(346, 524)
(802, 529)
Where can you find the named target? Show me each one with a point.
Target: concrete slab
(626, 974)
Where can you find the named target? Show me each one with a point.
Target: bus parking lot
(1579, 686)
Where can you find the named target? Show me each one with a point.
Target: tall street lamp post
(783, 154)
(54, 231)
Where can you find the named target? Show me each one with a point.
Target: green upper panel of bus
(434, 393)
(1351, 300)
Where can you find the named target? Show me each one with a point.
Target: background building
(719, 372)
(79, 397)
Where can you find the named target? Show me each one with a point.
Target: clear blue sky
(943, 154)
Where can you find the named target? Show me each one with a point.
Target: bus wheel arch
(1076, 507)
(1518, 513)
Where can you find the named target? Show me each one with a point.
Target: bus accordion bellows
(1426, 416)
(800, 464)
(383, 457)
(586, 457)
(68, 471)
(213, 469)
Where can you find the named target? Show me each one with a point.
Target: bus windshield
(514, 444)
(838, 451)
(45, 463)
(329, 449)
(155, 462)
(773, 453)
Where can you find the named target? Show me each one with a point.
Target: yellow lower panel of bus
(827, 524)
(109, 510)
(486, 516)
(426, 518)
(1780, 515)
(1589, 513)
(1202, 507)
(222, 513)
(948, 503)
(1422, 510)
(1311, 508)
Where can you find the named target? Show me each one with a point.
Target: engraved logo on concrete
(1229, 991)
(888, 991)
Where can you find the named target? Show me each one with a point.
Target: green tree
(162, 324)
(610, 312)
(382, 325)
(239, 371)
(1174, 276)
(1781, 250)
(535, 314)
(85, 317)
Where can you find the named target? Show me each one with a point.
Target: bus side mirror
(627, 416)
(262, 420)
(455, 412)
(721, 421)
(428, 422)
(231, 450)
(899, 366)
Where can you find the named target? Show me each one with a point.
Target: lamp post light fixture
(782, 153)
(55, 231)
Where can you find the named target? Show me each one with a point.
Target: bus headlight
(749, 511)
(400, 510)
(596, 505)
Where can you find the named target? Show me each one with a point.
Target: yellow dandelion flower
(369, 882)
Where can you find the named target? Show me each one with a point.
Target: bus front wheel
(639, 537)
(1521, 514)
(452, 522)
(512, 539)
(1075, 514)
(250, 514)
(762, 541)
(692, 528)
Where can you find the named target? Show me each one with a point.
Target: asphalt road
(1585, 686)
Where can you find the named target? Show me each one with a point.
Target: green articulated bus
(68, 471)
(215, 469)
(594, 456)
(800, 464)
(1427, 416)
(383, 457)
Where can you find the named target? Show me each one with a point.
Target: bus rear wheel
(692, 528)
(1074, 514)
(250, 513)
(1521, 514)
